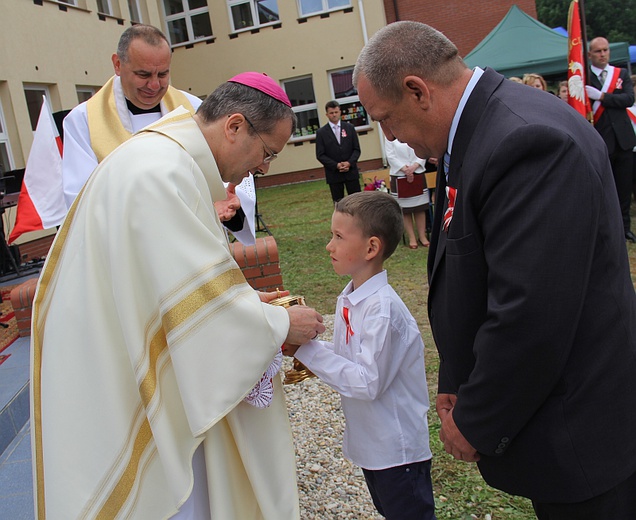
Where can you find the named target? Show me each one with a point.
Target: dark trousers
(622, 169)
(619, 503)
(337, 188)
(404, 492)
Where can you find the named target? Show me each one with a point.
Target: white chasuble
(146, 338)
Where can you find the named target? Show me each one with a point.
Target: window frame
(348, 99)
(305, 108)
(187, 14)
(109, 6)
(135, 3)
(325, 8)
(47, 93)
(85, 90)
(255, 18)
(5, 141)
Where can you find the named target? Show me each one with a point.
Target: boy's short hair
(378, 214)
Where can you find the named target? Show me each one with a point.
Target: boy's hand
(289, 350)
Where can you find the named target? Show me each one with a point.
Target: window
(307, 7)
(85, 93)
(347, 96)
(6, 162)
(301, 94)
(187, 20)
(33, 94)
(103, 6)
(248, 14)
(69, 2)
(135, 13)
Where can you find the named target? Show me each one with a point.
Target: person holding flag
(612, 92)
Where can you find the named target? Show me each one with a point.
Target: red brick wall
(259, 263)
(36, 249)
(465, 23)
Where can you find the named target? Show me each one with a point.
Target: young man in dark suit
(612, 92)
(338, 149)
(530, 299)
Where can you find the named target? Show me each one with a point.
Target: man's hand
(454, 442)
(593, 93)
(226, 209)
(344, 166)
(304, 324)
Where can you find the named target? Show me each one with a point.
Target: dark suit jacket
(530, 298)
(330, 153)
(614, 124)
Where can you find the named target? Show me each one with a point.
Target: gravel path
(330, 486)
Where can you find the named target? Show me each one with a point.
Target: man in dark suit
(338, 149)
(530, 299)
(612, 92)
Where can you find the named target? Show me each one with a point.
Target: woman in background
(408, 184)
(536, 81)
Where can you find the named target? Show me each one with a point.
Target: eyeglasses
(270, 155)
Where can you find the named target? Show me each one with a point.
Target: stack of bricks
(21, 300)
(259, 264)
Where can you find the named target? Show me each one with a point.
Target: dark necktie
(446, 165)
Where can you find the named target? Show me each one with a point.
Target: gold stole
(106, 129)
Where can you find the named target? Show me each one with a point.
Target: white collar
(477, 73)
(598, 71)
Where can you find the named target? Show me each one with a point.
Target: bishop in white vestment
(147, 338)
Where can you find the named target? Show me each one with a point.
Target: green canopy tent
(520, 44)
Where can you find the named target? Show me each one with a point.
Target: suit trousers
(622, 163)
(619, 503)
(402, 492)
(338, 188)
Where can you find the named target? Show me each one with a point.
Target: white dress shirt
(336, 131)
(379, 374)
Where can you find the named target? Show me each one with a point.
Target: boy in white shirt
(376, 361)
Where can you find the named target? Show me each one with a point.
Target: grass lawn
(299, 217)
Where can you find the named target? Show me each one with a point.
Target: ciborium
(298, 372)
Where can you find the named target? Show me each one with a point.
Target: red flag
(41, 201)
(577, 97)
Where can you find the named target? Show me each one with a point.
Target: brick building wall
(464, 23)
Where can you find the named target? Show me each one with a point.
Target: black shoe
(630, 237)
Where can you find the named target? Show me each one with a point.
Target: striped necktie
(446, 164)
(603, 77)
(451, 195)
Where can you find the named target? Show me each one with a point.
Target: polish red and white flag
(41, 201)
(577, 97)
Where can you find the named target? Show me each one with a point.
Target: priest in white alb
(137, 95)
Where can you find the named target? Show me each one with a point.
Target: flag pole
(584, 40)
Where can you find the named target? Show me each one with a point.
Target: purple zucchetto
(261, 81)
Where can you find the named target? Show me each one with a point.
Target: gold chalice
(298, 372)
